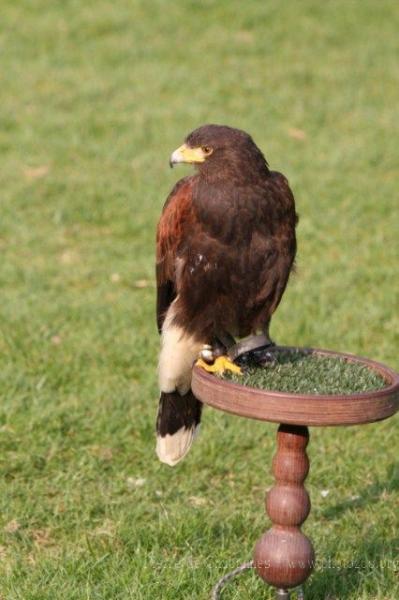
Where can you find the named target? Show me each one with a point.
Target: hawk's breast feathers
(227, 253)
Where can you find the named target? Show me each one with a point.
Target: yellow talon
(220, 365)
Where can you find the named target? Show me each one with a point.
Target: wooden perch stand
(284, 556)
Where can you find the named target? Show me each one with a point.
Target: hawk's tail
(177, 423)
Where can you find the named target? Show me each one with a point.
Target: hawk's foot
(220, 365)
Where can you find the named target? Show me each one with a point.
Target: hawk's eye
(206, 150)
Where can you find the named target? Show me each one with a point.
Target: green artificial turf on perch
(296, 371)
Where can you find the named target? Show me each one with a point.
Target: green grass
(301, 372)
(94, 97)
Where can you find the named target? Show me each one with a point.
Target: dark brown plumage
(225, 248)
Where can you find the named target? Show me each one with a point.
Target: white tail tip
(171, 449)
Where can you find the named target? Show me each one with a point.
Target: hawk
(225, 248)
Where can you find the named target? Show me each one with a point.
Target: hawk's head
(218, 148)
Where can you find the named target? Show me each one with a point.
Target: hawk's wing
(172, 232)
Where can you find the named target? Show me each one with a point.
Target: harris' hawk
(225, 248)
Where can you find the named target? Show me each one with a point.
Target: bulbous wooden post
(284, 556)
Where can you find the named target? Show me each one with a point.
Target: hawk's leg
(255, 350)
(214, 358)
(263, 355)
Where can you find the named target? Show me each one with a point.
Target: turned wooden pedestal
(284, 556)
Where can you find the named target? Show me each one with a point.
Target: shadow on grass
(367, 495)
(335, 579)
(370, 573)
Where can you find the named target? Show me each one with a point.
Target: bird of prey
(225, 249)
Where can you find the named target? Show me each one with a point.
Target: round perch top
(321, 409)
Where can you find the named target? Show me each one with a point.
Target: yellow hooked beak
(185, 154)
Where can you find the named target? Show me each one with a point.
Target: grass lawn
(94, 97)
